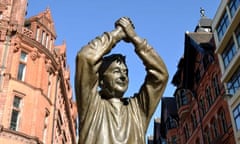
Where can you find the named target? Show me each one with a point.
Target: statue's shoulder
(131, 99)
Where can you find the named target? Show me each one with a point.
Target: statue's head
(113, 76)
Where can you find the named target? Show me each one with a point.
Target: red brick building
(203, 113)
(36, 103)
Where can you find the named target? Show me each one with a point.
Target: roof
(61, 49)
(44, 18)
(205, 22)
(201, 41)
(200, 37)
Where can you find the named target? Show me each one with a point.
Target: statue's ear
(101, 83)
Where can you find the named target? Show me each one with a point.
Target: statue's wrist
(137, 40)
(118, 34)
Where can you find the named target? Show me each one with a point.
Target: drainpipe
(3, 66)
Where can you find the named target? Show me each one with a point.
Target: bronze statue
(105, 117)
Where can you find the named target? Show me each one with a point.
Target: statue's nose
(123, 78)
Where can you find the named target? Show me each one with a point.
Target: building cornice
(39, 47)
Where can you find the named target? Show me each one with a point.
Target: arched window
(208, 96)
(22, 66)
(202, 106)
(215, 83)
(194, 119)
(1, 15)
(183, 95)
(186, 132)
(171, 123)
(222, 121)
(214, 127)
(207, 136)
(37, 33)
(197, 141)
(16, 111)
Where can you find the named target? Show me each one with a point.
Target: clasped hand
(127, 28)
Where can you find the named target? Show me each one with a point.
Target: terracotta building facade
(36, 105)
(203, 114)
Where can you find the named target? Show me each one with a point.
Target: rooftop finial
(202, 12)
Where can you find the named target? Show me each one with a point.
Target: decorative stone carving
(34, 54)
(48, 63)
(16, 46)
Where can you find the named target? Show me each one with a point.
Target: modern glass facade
(226, 27)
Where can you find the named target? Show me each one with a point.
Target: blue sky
(162, 23)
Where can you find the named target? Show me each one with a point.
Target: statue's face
(115, 79)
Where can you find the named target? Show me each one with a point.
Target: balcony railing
(27, 32)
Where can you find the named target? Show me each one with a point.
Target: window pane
(223, 121)
(16, 102)
(221, 29)
(215, 128)
(237, 121)
(216, 86)
(1, 15)
(233, 6)
(14, 119)
(184, 98)
(238, 35)
(37, 34)
(234, 83)
(21, 71)
(229, 53)
(236, 114)
(43, 37)
(23, 57)
(238, 39)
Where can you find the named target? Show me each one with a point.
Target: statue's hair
(107, 60)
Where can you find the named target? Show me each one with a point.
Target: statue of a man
(105, 116)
